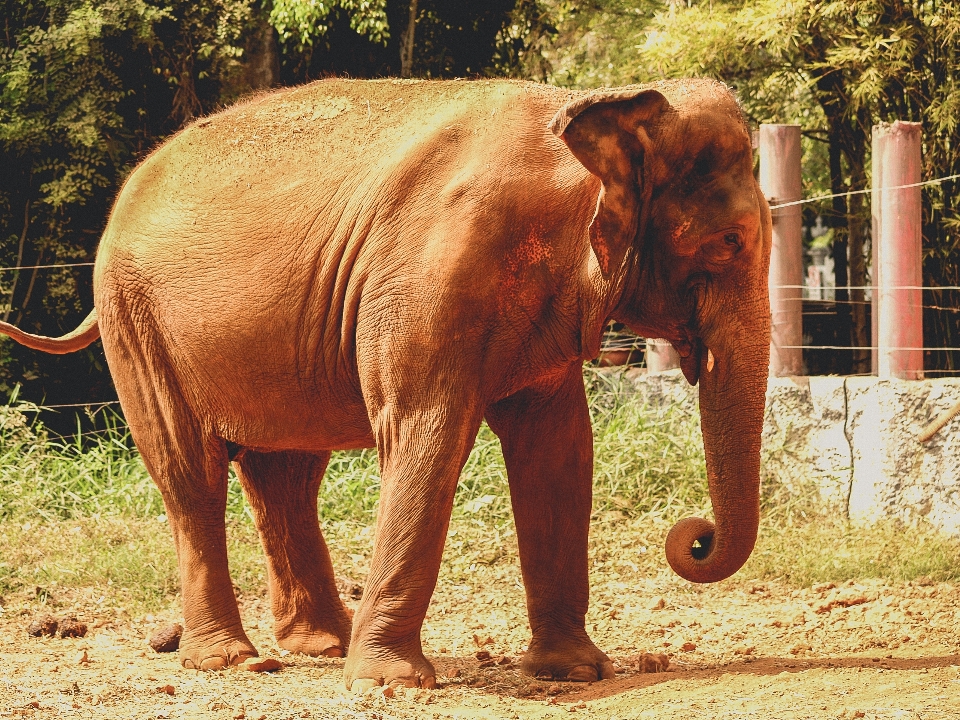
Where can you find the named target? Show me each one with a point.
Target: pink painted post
(898, 275)
(780, 183)
(661, 356)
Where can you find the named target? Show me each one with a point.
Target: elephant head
(681, 243)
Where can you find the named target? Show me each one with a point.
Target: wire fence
(866, 191)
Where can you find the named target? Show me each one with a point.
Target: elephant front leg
(421, 456)
(282, 487)
(548, 448)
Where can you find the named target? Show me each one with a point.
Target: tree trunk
(406, 42)
(855, 150)
(262, 67)
(16, 273)
(838, 221)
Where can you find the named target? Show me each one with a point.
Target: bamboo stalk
(942, 419)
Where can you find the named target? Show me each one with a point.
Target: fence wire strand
(865, 191)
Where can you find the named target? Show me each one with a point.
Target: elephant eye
(732, 239)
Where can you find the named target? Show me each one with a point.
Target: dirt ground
(740, 649)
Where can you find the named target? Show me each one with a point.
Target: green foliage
(87, 88)
(304, 20)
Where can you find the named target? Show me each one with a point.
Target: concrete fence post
(897, 321)
(661, 356)
(780, 183)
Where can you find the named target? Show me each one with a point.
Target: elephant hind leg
(282, 487)
(188, 462)
(213, 636)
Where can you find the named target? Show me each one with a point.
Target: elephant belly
(258, 390)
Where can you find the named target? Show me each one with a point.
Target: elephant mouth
(690, 350)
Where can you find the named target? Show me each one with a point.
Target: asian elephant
(350, 264)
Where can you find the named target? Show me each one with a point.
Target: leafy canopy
(304, 20)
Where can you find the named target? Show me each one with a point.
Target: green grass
(83, 513)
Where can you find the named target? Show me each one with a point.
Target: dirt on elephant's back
(744, 650)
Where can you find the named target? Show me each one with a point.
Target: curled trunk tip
(695, 554)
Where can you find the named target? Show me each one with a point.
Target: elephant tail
(78, 339)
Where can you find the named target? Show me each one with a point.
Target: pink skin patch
(680, 230)
(513, 290)
(600, 248)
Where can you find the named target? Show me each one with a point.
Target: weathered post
(897, 249)
(661, 356)
(780, 183)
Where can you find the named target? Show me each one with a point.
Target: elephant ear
(608, 132)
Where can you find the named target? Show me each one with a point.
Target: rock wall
(855, 440)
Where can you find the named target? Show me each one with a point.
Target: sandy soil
(737, 650)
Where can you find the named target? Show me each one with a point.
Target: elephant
(389, 263)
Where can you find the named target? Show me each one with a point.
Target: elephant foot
(196, 654)
(572, 659)
(324, 634)
(314, 643)
(378, 666)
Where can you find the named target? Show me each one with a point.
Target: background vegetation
(76, 514)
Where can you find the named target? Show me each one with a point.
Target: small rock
(43, 625)
(167, 638)
(82, 658)
(168, 689)
(744, 650)
(688, 647)
(488, 663)
(455, 673)
(653, 663)
(482, 654)
(799, 648)
(387, 691)
(554, 689)
(480, 642)
(255, 664)
(72, 628)
(350, 589)
(504, 660)
(843, 600)
(658, 604)
(361, 686)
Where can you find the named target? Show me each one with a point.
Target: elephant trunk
(733, 384)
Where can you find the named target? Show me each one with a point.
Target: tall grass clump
(44, 478)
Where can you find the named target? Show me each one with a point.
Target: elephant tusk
(710, 361)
